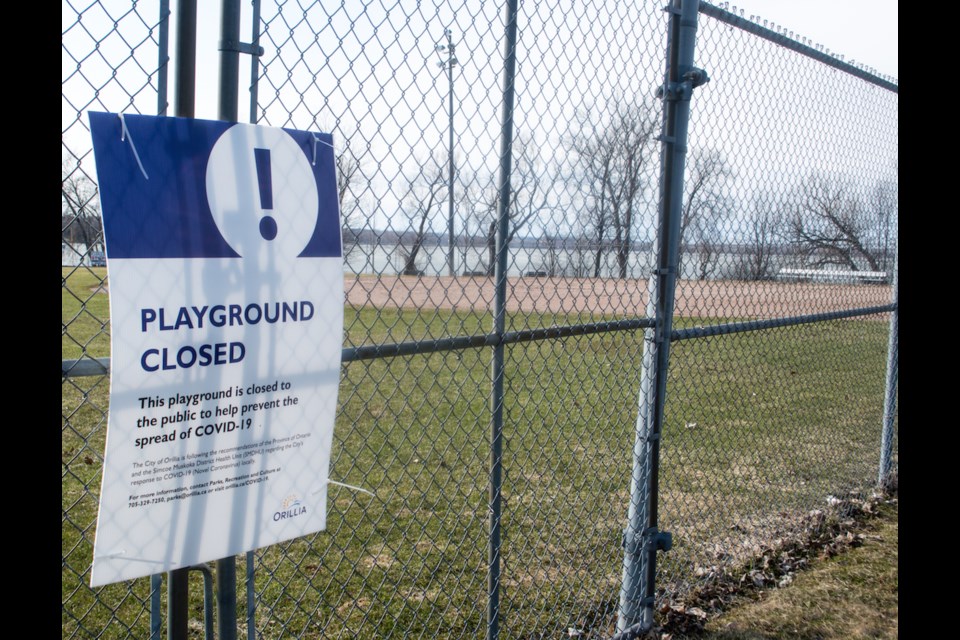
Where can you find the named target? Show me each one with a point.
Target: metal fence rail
(567, 339)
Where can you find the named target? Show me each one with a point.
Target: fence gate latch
(658, 540)
(241, 47)
(651, 539)
(683, 90)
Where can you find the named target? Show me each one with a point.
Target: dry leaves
(822, 533)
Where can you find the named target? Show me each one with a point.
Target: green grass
(852, 595)
(758, 428)
(85, 312)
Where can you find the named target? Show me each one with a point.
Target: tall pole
(449, 63)
(228, 109)
(185, 76)
(642, 538)
(498, 366)
(893, 370)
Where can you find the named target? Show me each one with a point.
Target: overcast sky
(861, 30)
(865, 31)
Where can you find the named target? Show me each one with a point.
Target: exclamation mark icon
(268, 226)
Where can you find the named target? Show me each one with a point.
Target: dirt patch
(607, 297)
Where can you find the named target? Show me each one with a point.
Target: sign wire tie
(125, 134)
(350, 486)
(317, 139)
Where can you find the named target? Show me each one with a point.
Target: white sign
(225, 275)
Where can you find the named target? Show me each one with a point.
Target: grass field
(759, 429)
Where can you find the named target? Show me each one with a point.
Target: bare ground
(596, 296)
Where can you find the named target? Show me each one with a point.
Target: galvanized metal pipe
(101, 366)
(674, 153)
(634, 560)
(229, 98)
(460, 343)
(156, 618)
(499, 323)
(773, 323)
(451, 60)
(637, 593)
(186, 69)
(178, 603)
(178, 591)
(255, 62)
(893, 374)
(229, 59)
(81, 367)
(251, 598)
(163, 56)
(207, 600)
(227, 599)
(767, 34)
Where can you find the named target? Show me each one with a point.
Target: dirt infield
(607, 297)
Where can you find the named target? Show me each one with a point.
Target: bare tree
(705, 209)
(580, 264)
(595, 157)
(349, 190)
(884, 206)
(79, 209)
(612, 164)
(349, 175)
(830, 225)
(551, 257)
(475, 210)
(422, 200)
(481, 205)
(531, 187)
(765, 232)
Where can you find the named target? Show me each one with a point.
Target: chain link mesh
(786, 155)
(109, 62)
(416, 430)
(790, 210)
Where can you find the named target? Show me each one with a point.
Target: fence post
(255, 62)
(178, 604)
(229, 60)
(499, 323)
(178, 593)
(156, 618)
(642, 539)
(186, 71)
(163, 56)
(893, 374)
(634, 559)
(251, 598)
(163, 60)
(228, 107)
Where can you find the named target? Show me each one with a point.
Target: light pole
(449, 64)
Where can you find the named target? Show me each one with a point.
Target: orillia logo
(290, 508)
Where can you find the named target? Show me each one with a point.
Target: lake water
(380, 259)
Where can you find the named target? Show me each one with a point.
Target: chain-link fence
(790, 212)
(505, 301)
(113, 58)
